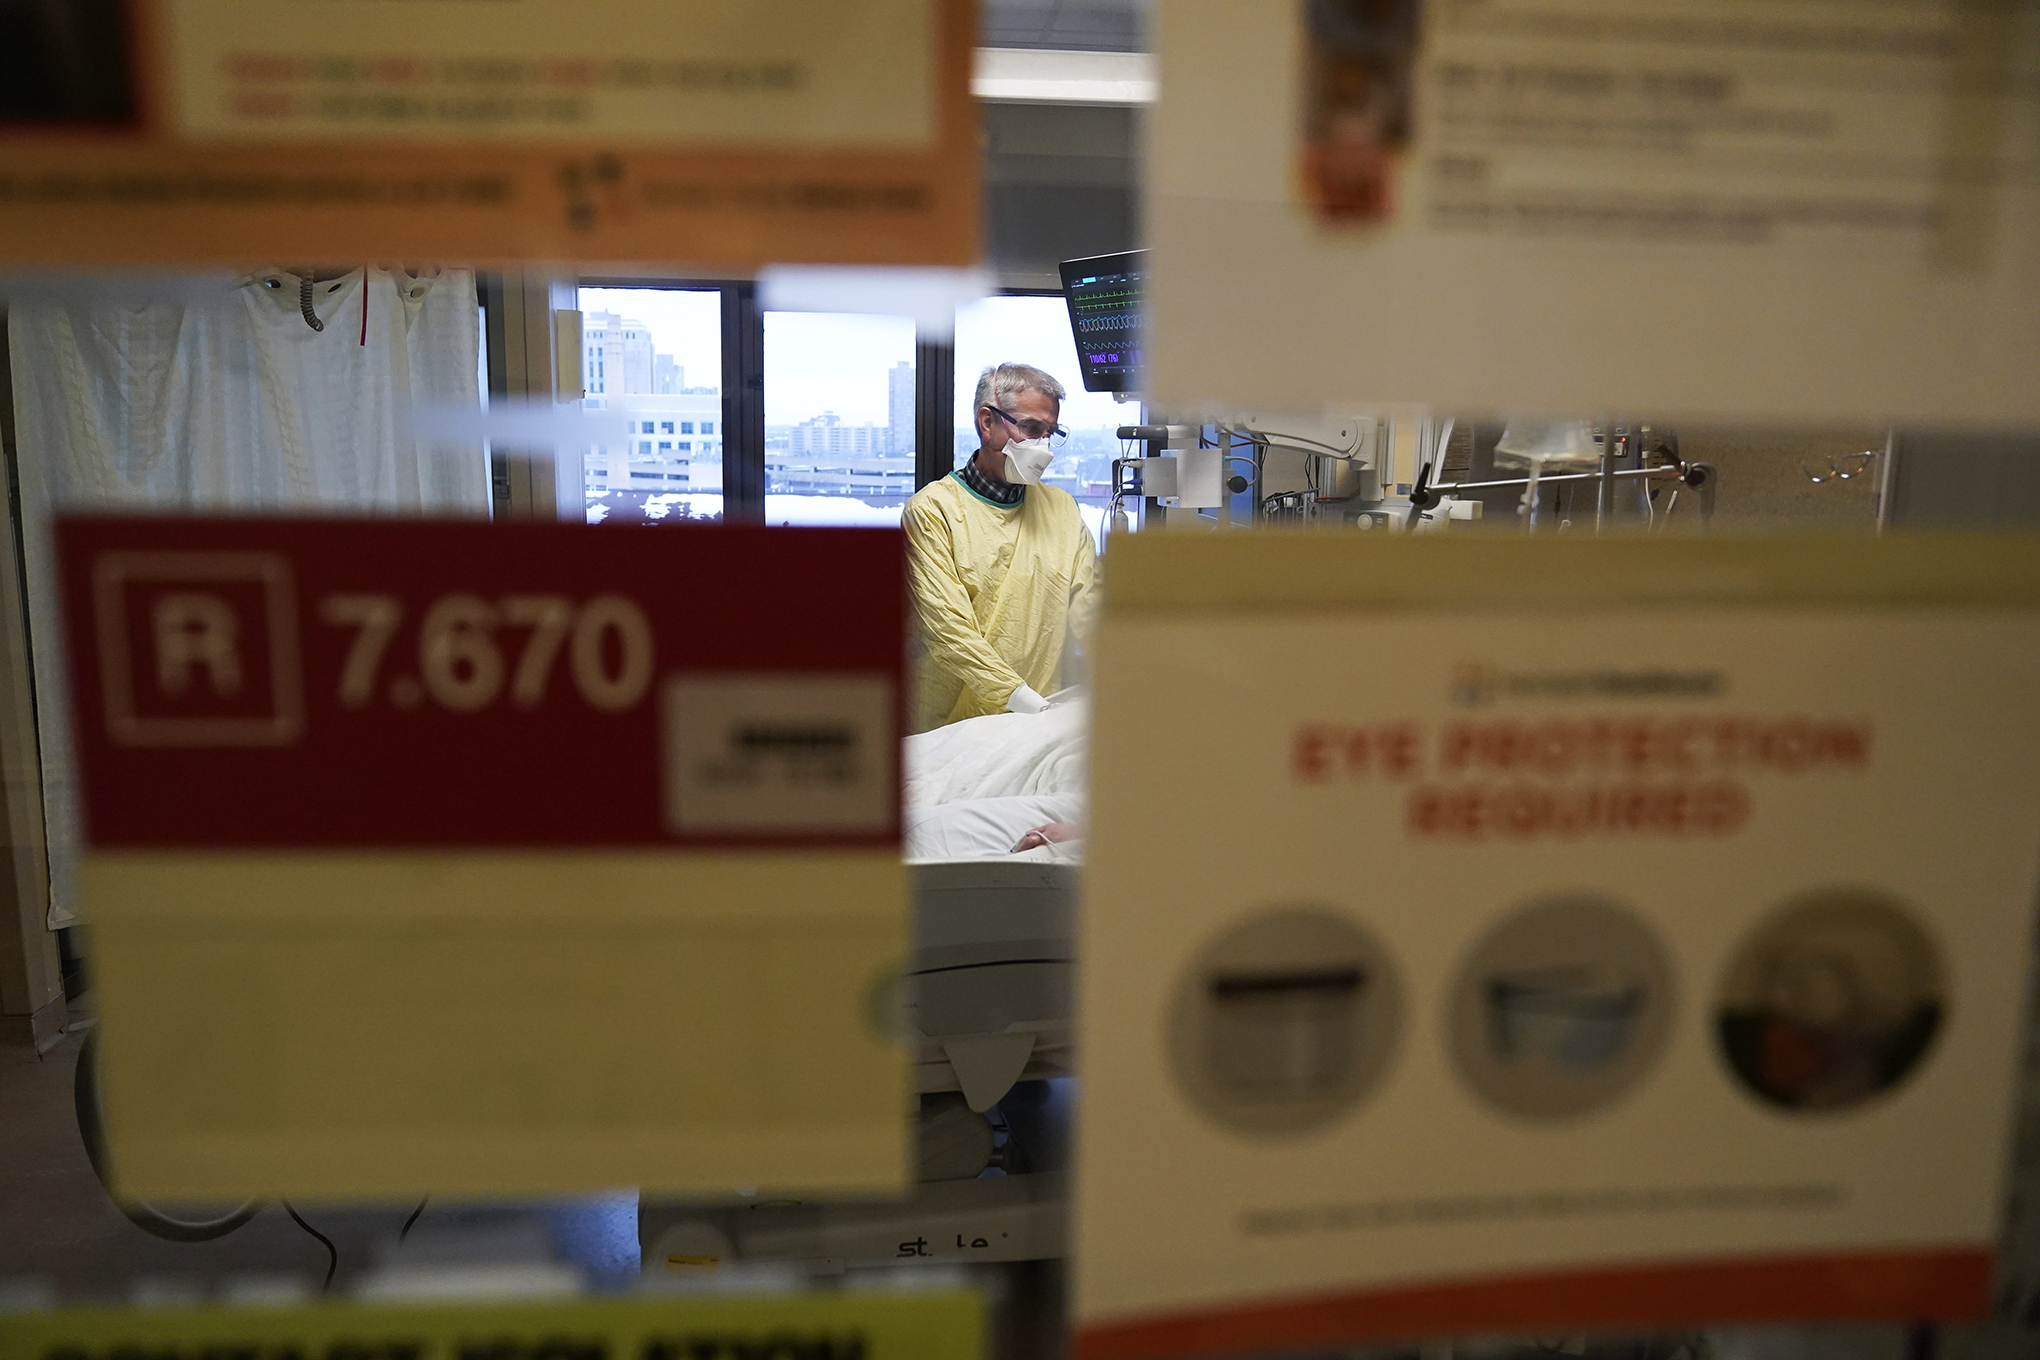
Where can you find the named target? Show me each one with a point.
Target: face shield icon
(1285, 1021)
(1281, 1035)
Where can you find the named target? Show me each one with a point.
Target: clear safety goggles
(1056, 435)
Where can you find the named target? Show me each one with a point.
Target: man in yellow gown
(1003, 569)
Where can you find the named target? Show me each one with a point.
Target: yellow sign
(1670, 967)
(935, 1325)
(468, 906)
(724, 133)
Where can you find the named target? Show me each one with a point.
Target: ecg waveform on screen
(1105, 315)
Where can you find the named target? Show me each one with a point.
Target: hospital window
(823, 404)
(675, 332)
(839, 418)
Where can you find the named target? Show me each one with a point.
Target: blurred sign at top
(717, 132)
(1781, 210)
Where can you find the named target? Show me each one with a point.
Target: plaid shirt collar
(997, 492)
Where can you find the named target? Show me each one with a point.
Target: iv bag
(1549, 445)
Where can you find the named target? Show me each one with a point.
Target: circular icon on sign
(1285, 1022)
(1833, 1000)
(1560, 1009)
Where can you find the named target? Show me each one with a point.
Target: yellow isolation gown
(998, 590)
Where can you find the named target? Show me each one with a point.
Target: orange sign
(723, 133)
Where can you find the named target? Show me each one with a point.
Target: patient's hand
(1049, 835)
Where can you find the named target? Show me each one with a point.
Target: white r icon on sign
(227, 670)
(197, 630)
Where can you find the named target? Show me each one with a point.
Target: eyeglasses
(1843, 468)
(1056, 435)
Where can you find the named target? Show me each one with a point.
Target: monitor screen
(1103, 293)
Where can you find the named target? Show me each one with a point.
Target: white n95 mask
(1027, 459)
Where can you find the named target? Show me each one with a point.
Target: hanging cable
(1274, 437)
(332, 1252)
(304, 301)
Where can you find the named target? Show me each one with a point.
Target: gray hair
(999, 384)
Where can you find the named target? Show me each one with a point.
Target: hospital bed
(987, 1006)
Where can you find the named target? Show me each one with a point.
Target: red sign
(355, 683)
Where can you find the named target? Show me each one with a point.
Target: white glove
(1025, 700)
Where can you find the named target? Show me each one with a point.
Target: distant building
(827, 434)
(668, 377)
(900, 407)
(673, 443)
(825, 457)
(616, 355)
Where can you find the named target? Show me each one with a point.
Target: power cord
(405, 1231)
(332, 1252)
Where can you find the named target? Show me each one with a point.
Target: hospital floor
(58, 1230)
(62, 1241)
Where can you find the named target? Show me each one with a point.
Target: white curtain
(222, 397)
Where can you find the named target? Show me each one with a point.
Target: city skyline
(847, 364)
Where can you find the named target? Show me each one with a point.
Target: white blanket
(1006, 755)
(988, 828)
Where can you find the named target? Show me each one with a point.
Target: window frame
(743, 388)
(743, 383)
